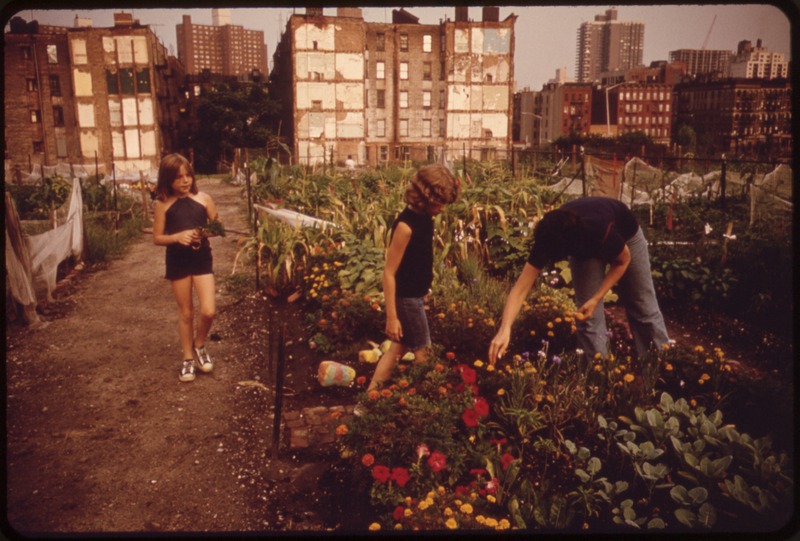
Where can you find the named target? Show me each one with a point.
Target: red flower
(477, 471)
(381, 473)
(398, 513)
(506, 460)
(400, 476)
(468, 375)
(437, 461)
(470, 417)
(481, 407)
(450, 356)
(491, 486)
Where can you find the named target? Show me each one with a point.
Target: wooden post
(722, 183)
(727, 237)
(276, 424)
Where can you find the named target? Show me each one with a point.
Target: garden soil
(103, 438)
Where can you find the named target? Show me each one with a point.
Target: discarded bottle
(333, 373)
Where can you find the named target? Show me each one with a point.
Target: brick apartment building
(86, 95)
(381, 92)
(740, 117)
(221, 48)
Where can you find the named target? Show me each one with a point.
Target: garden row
(543, 440)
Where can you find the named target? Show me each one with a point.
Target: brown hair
(432, 183)
(168, 172)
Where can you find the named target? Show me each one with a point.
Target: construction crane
(705, 42)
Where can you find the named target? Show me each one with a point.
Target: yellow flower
(490, 498)
(538, 397)
(549, 324)
(480, 519)
(429, 500)
(478, 363)
(491, 522)
(668, 367)
(504, 524)
(699, 349)
(466, 509)
(451, 523)
(628, 378)
(341, 430)
(407, 512)
(448, 512)
(709, 360)
(501, 392)
(597, 368)
(441, 490)
(490, 368)
(423, 505)
(374, 527)
(705, 377)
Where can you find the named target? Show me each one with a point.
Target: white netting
(32, 261)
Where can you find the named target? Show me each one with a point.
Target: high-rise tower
(608, 45)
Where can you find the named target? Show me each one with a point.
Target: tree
(230, 118)
(686, 138)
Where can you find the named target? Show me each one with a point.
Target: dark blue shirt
(604, 226)
(415, 273)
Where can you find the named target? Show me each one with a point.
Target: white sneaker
(187, 372)
(204, 359)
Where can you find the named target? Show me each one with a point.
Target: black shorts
(183, 261)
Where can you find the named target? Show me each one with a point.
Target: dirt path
(101, 435)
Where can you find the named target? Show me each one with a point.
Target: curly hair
(432, 183)
(168, 171)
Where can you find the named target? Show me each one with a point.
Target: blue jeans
(414, 321)
(637, 295)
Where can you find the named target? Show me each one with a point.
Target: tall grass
(105, 241)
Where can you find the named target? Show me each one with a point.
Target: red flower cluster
(471, 416)
(399, 475)
(437, 461)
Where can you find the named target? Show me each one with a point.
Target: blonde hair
(432, 183)
(167, 173)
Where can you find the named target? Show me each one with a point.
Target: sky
(545, 36)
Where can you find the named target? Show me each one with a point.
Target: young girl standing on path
(408, 273)
(180, 209)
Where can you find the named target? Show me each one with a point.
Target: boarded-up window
(381, 128)
(403, 42)
(426, 98)
(79, 51)
(86, 115)
(61, 146)
(404, 127)
(403, 70)
(380, 41)
(426, 127)
(380, 69)
(143, 80)
(381, 99)
(124, 51)
(427, 41)
(426, 71)
(55, 85)
(149, 143)
(88, 144)
(115, 113)
(146, 112)
(140, 50)
(126, 80)
(83, 83)
(132, 143)
(118, 142)
(52, 54)
(129, 115)
(58, 116)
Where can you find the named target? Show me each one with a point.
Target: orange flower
(374, 395)
(386, 393)
(368, 460)
(341, 430)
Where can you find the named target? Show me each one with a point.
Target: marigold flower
(386, 393)
(628, 378)
(368, 460)
(408, 512)
(490, 368)
(451, 523)
(466, 509)
(374, 527)
(450, 356)
(491, 522)
(448, 512)
(374, 395)
(341, 430)
(478, 363)
(490, 498)
(504, 524)
(699, 349)
(423, 505)
(501, 392)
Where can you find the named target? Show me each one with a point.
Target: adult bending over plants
(592, 233)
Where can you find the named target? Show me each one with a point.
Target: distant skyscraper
(701, 61)
(222, 48)
(608, 45)
(758, 63)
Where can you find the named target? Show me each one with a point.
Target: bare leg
(183, 294)
(386, 364)
(204, 287)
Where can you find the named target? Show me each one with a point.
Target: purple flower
(556, 359)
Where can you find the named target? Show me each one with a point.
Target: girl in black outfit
(408, 272)
(181, 209)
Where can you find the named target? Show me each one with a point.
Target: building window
(36, 116)
(143, 80)
(30, 85)
(25, 52)
(404, 127)
(316, 105)
(427, 41)
(441, 128)
(381, 99)
(441, 99)
(384, 153)
(112, 82)
(426, 71)
(441, 70)
(488, 77)
(426, 127)
(55, 86)
(52, 54)
(380, 70)
(380, 41)
(403, 71)
(126, 80)
(403, 99)
(381, 132)
(426, 99)
(58, 116)
(38, 147)
(404, 42)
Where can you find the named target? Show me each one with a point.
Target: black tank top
(415, 273)
(183, 214)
